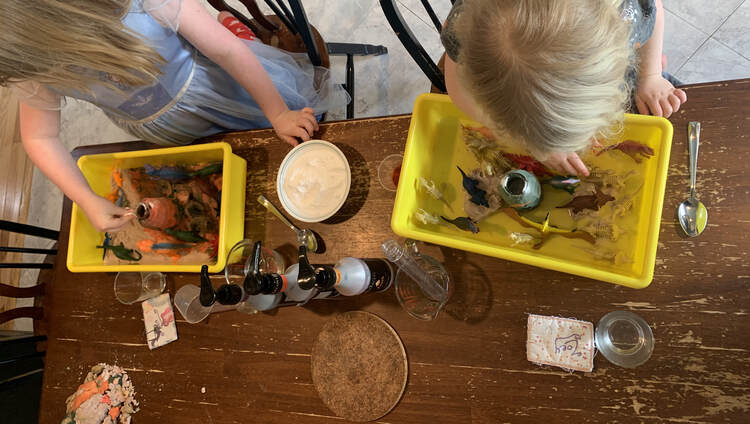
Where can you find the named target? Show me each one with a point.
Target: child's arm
(40, 130)
(654, 95)
(231, 53)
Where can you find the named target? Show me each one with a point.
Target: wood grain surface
(470, 364)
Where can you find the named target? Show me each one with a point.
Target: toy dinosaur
(488, 183)
(478, 196)
(425, 217)
(589, 201)
(568, 184)
(431, 188)
(546, 229)
(463, 223)
(530, 164)
(632, 148)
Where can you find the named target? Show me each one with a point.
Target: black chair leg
(350, 50)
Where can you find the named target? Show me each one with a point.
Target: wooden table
(470, 364)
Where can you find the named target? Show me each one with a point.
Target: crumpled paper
(106, 397)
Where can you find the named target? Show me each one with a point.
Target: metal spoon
(691, 213)
(304, 237)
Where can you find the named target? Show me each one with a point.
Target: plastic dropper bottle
(426, 280)
(352, 276)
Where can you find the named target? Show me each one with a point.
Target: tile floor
(704, 41)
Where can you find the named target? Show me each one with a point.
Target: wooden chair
(290, 30)
(21, 368)
(21, 359)
(432, 70)
(35, 312)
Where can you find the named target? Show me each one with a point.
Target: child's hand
(104, 215)
(566, 163)
(295, 123)
(657, 96)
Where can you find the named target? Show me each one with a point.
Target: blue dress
(194, 97)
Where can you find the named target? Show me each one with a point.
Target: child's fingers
(289, 140)
(301, 133)
(304, 122)
(681, 95)
(665, 107)
(675, 102)
(653, 106)
(578, 164)
(309, 114)
(569, 169)
(641, 106)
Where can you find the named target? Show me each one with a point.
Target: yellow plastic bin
(83, 256)
(435, 147)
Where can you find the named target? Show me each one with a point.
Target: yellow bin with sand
(83, 256)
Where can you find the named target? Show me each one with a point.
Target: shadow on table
(360, 186)
(471, 299)
(257, 178)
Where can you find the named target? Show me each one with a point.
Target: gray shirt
(641, 14)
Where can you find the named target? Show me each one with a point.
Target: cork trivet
(359, 366)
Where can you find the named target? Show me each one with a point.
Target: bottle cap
(624, 338)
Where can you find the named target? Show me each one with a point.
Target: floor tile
(714, 62)
(681, 40)
(707, 16)
(735, 32)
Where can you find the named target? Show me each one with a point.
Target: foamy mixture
(315, 180)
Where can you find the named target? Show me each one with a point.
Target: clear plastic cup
(187, 301)
(389, 171)
(131, 287)
(624, 338)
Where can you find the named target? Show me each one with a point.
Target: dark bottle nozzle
(227, 294)
(208, 295)
(306, 277)
(257, 283)
(252, 281)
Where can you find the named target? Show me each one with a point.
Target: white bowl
(313, 181)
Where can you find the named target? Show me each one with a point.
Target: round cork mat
(359, 366)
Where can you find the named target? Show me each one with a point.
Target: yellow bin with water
(83, 256)
(435, 147)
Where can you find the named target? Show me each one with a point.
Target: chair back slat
(412, 45)
(305, 31)
(432, 15)
(283, 13)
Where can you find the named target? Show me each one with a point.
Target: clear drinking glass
(389, 171)
(131, 287)
(240, 257)
(422, 284)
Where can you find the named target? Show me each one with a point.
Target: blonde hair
(550, 73)
(67, 43)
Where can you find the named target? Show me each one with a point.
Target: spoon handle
(694, 135)
(268, 205)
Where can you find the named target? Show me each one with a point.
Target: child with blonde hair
(164, 70)
(557, 75)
